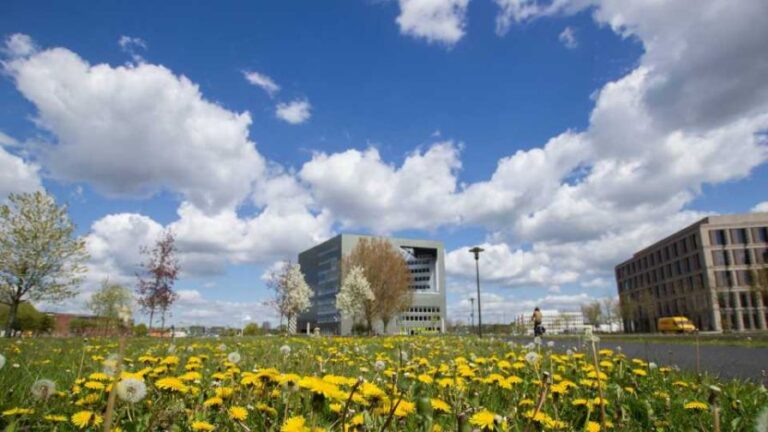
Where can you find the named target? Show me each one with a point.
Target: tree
(28, 318)
(110, 302)
(159, 273)
(611, 310)
(251, 329)
(592, 313)
(40, 259)
(388, 275)
(140, 330)
(292, 294)
(355, 294)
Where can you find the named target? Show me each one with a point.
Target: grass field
(355, 384)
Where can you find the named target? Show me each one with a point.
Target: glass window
(695, 241)
(741, 256)
(761, 255)
(717, 237)
(760, 235)
(744, 277)
(720, 258)
(722, 278)
(744, 300)
(739, 236)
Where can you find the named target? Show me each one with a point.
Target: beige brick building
(703, 272)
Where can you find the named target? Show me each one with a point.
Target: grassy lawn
(354, 384)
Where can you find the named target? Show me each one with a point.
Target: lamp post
(476, 251)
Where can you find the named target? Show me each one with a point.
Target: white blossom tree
(292, 294)
(354, 294)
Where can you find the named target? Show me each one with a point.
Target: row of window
(680, 267)
(750, 321)
(419, 318)
(726, 278)
(420, 287)
(424, 309)
(669, 252)
(679, 286)
(740, 256)
(421, 270)
(421, 278)
(746, 299)
(738, 236)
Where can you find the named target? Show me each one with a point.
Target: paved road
(724, 361)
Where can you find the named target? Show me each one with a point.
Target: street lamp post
(476, 251)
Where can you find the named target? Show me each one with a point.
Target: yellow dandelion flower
(214, 401)
(55, 418)
(640, 372)
(294, 424)
(440, 405)
(84, 419)
(202, 426)
(483, 419)
(593, 426)
(17, 412)
(696, 406)
(238, 413)
(172, 384)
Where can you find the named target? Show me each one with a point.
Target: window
(695, 241)
(739, 236)
(761, 255)
(722, 300)
(695, 265)
(760, 235)
(744, 277)
(717, 237)
(720, 258)
(722, 278)
(744, 298)
(741, 257)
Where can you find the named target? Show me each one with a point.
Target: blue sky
(561, 135)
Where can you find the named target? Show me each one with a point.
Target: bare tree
(387, 273)
(592, 312)
(39, 257)
(158, 275)
(110, 302)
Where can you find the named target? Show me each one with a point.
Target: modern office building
(703, 272)
(321, 266)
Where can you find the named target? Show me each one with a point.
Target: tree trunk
(385, 322)
(13, 308)
(162, 323)
(151, 317)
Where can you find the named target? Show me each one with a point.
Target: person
(537, 319)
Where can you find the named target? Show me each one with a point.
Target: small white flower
(43, 388)
(404, 356)
(171, 349)
(379, 365)
(131, 389)
(285, 350)
(15, 365)
(652, 365)
(222, 347)
(569, 352)
(551, 344)
(234, 357)
(532, 357)
(618, 348)
(2, 361)
(537, 340)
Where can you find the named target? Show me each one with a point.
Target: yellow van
(676, 324)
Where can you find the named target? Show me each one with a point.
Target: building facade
(703, 272)
(321, 266)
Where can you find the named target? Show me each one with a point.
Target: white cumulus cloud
(441, 21)
(263, 81)
(294, 112)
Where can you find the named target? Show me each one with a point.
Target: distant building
(554, 321)
(196, 331)
(66, 324)
(321, 266)
(702, 272)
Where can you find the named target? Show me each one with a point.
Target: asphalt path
(728, 362)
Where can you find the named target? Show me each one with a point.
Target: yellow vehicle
(676, 324)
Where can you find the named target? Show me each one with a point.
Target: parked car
(676, 324)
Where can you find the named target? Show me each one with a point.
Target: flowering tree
(159, 273)
(40, 259)
(354, 294)
(292, 294)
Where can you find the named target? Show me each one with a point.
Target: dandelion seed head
(285, 350)
(234, 357)
(131, 390)
(379, 365)
(43, 388)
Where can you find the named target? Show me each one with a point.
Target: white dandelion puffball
(532, 357)
(285, 350)
(234, 357)
(222, 347)
(131, 389)
(171, 349)
(537, 340)
(652, 365)
(2, 361)
(379, 365)
(569, 352)
(529, 346)
(551, 344)
(43, 388)
(109, 366)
